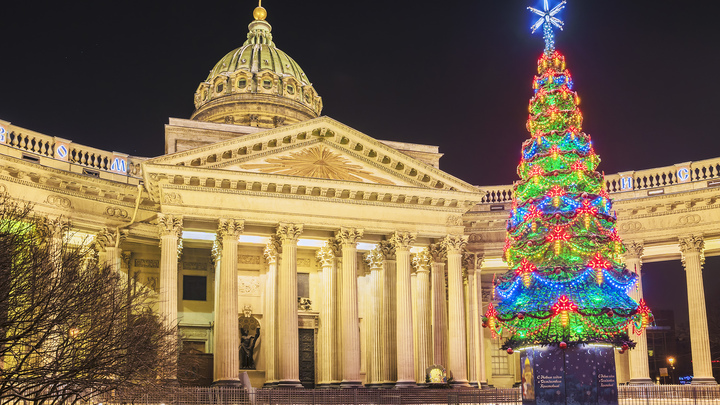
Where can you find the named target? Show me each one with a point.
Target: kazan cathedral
(295, 248)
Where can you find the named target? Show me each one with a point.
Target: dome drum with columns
(257, 85)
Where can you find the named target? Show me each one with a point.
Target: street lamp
(671, 361)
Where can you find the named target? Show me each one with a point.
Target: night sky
(456, 74)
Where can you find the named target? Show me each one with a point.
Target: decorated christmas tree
(567, 283)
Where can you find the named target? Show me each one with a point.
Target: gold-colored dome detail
(260, 13)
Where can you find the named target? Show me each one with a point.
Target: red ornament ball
(521, 316)
(484, 324)
(610, 312)
(625, 347)
(563, 345)
(510, 350)
(622, 351)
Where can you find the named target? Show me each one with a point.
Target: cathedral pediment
(321, 148)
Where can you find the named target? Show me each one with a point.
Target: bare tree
(69, 327)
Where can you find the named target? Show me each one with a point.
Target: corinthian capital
(271, 249)
(403, 240)
(422, 260)
(387, 249)
(348, 236)
(107, 237)
(454, 244)
(326, 255)
(289, 232)
(230, 228)
(438, 251)
(634, 250)
(375, 259)
(692, 244)
(169, 224)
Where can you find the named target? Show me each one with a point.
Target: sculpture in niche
(247, 347)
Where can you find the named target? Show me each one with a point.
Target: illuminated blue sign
(626, 183)
(683, 174)
(118, 165)
(3, 135)
(62, 151)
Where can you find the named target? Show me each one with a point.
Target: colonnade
(692, 248)
(445, 329)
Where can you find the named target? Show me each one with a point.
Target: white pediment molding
(358, 147)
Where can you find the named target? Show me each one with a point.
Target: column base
(405, 384)
(484, 385)
(326, 386)
(640, 381)
(703, 381)
(474, 384)
(351, 384)
(460, 384)
(227, 383)
(270, 384)
(289, 384)
(388, 385)
(375, 385)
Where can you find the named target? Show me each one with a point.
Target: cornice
(403, 205)
(77, 194)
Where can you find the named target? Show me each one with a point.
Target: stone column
(55, 230)
(227, 336)
(389, 319)
(289, 368)
(480, 338)
(472, 331)
(374, 378)
(170, 227)
(404, 301)
(457, 364)
(270, 312)
(693, 248)
(638, 356)
(422, 262)
(326, 335)
(107, 241)
(348, 238)
(439, 305)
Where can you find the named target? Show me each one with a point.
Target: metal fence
(628, 395)
(670, 395)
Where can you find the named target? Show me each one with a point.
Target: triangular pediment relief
(319, 148)
(319, 160)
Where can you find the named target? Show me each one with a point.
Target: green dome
(259, 53)
(257, 85)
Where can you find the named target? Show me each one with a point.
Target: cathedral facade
(293, 247)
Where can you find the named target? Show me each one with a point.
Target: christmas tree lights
(567, 283)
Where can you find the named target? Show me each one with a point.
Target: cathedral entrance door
(307, 357)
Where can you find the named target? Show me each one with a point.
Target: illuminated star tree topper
(547, 20)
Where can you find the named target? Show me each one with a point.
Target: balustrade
(44, 145)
